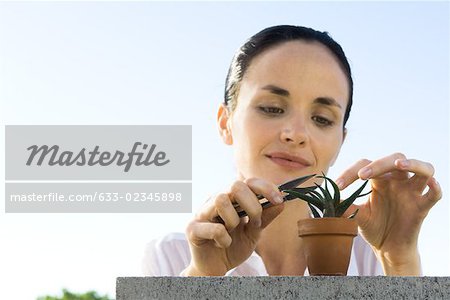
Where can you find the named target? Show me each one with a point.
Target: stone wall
(349, 287)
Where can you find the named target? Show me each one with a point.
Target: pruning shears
(290, 185)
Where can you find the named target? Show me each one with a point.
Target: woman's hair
(273, 36)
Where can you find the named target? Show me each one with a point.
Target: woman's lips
(287, 163)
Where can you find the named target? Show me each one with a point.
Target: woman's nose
(295, 134)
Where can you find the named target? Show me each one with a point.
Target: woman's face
(288, 121)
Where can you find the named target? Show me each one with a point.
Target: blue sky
(165, 63)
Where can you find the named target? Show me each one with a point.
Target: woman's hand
(217, 248)
(391, 218)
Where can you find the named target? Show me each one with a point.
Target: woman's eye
(321, 121)
(271, 110)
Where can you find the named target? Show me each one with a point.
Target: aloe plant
(329, 205)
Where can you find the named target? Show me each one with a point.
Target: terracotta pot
(328, 244)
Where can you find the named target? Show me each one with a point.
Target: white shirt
(170, 255)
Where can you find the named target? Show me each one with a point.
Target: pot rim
(327, 226)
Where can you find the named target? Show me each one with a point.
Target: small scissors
(290, 185)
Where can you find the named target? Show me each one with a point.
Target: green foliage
(327, 203)
(91, 295)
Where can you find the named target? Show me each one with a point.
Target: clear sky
(165, 63)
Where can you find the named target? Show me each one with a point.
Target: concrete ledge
(379, 287)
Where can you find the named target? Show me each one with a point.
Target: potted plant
(327, 236)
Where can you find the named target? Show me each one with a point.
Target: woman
(288, 97)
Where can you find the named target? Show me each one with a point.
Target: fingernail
(277, 198)
(340, 183)
(365, 173)
(403, 163)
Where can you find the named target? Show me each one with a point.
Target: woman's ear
(223, 118)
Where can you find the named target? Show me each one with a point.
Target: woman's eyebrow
(276, 90)
(285, 93)
(327, 101)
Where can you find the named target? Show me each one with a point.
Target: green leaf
(337, 193)
(314, 211)
(329, 210)
(317, 195)
(326, 194)
(365, 194)
(344, 205)
(308, 198)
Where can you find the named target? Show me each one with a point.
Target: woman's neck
(279, 245)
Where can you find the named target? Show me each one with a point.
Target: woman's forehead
(299, 67)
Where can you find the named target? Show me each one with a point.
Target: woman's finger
(433, 195)
(267, 189)
(208, 210)
(381, 166)
(242, 193)
(226, 211)
(351, 174)
(423, 171)
(247, 200)
(199, 232)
